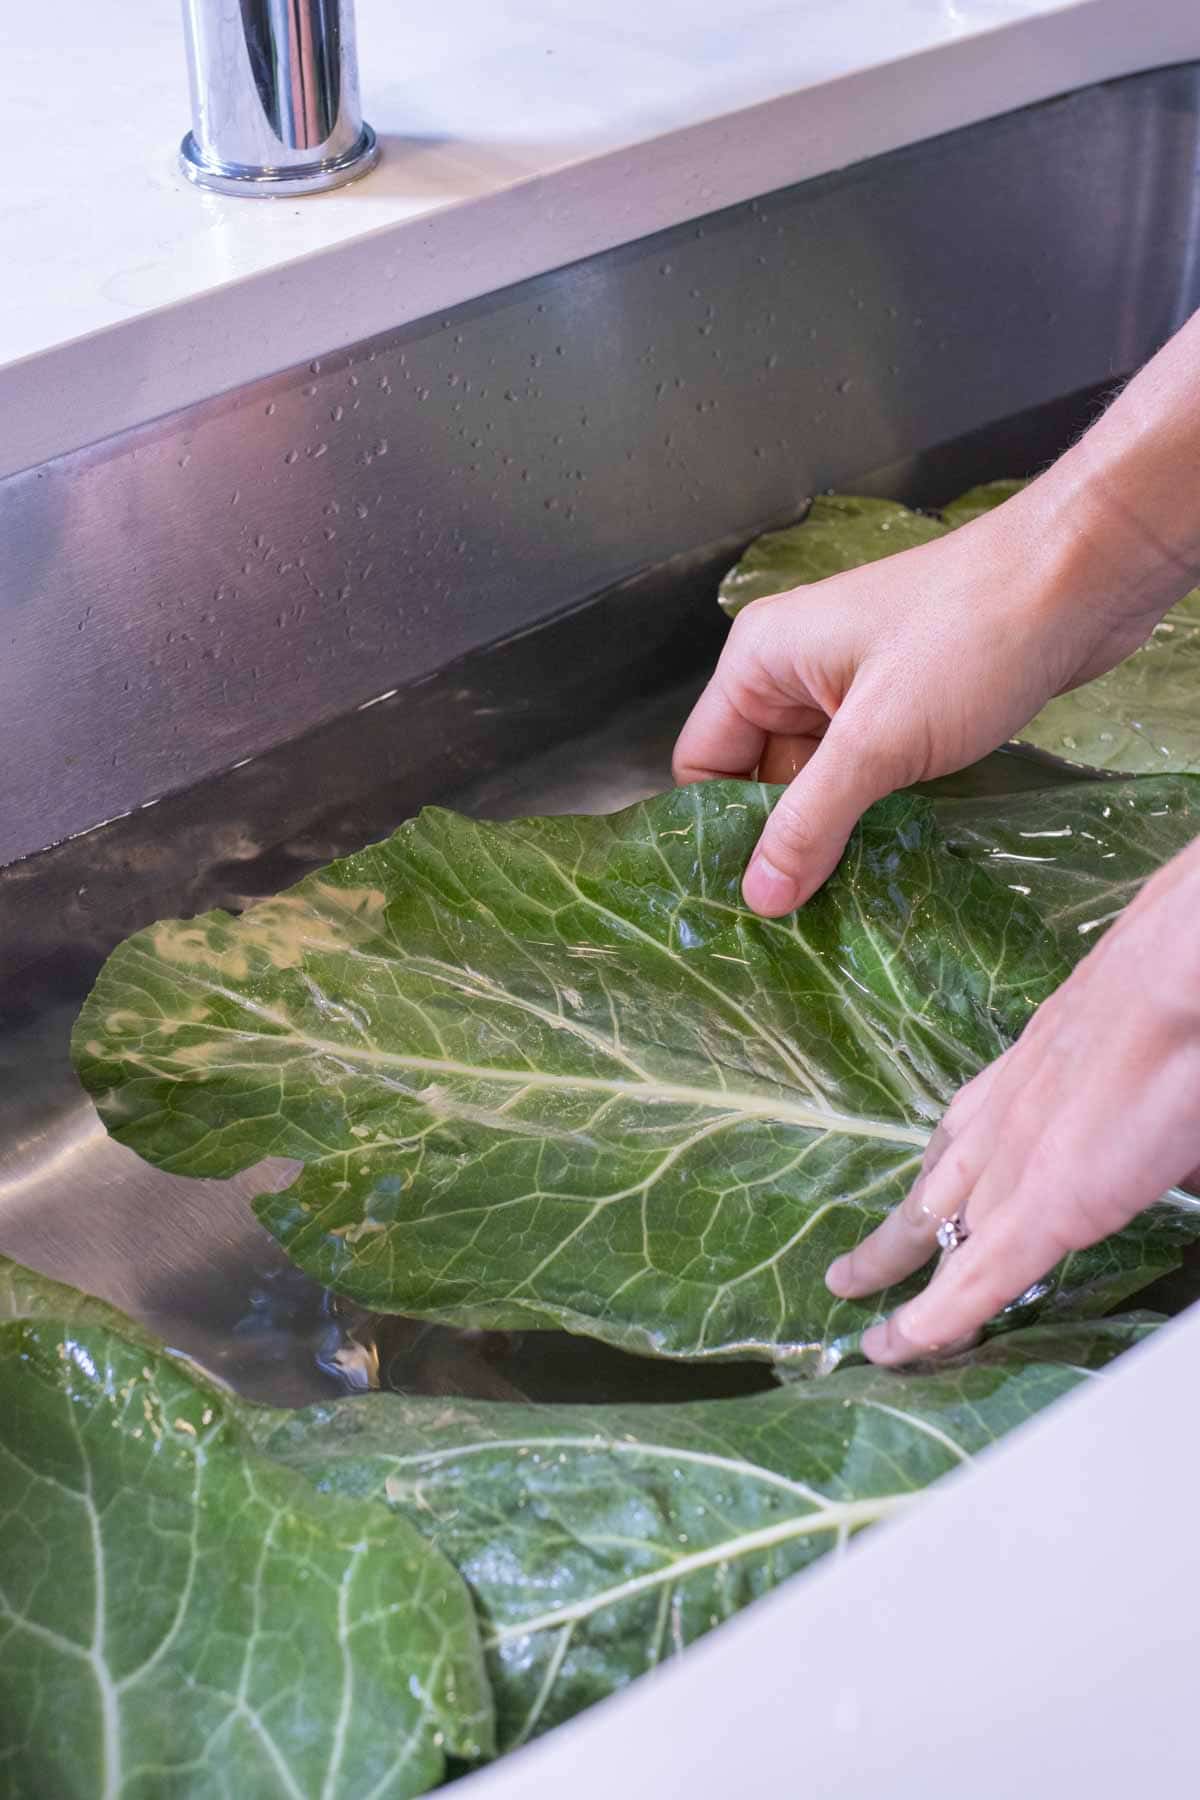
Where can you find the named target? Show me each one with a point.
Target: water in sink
(580, 716)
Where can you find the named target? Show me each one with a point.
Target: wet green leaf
(1143, 717)
(599, 1541)
(179, 1615)
(231, 1600)
(839, 532)
(554, 1072)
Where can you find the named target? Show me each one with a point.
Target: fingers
(805, 836)
(986, 1165)
(906, 1239)
(1012, 1249)
(717, 739)
(766, 708)
(1044, 1168)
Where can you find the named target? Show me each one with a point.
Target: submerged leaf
(1142, 718)
(600, 1540)
(178, 1614)
(554, 1071)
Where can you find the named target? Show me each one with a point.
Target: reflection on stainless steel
(274, 86)
(209, 586)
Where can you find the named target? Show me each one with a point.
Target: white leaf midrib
(775, 1108)
(845, 1516)
(633, 1447)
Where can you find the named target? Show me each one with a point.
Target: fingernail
(768, 890)
(837, 1277)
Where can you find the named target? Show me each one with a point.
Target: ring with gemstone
(952, 1232)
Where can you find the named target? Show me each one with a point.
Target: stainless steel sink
(474, 561)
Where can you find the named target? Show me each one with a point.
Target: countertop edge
(123, 377)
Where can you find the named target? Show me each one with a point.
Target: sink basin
(474, 561)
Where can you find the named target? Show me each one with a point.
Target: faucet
(275, 107)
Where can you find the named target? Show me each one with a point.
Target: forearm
(1119, 513)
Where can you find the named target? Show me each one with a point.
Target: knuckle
(681, 770)
(953, 1118)
(789, 838)
(950, 1178)
(956, 1169)
(746, 629)
(913, 1210)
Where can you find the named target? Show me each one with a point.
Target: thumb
(803, 840)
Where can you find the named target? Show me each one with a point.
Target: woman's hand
(912, 667)
(909, 668)
(1087, 1120)
(902, 670)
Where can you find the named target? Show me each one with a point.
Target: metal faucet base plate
(269, 183)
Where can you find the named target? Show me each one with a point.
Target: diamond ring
(952, 1232)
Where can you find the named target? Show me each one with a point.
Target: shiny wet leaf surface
(179, 1614)
(554, 1072)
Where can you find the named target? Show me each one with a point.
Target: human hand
(906, 669)
(1087, 1120)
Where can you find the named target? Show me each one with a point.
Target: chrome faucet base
(264, 182)
(274, 88)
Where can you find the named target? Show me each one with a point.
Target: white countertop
(517, 137)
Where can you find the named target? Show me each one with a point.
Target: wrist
(1096, 565)
(1119, 498)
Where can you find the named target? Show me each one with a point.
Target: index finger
(717, 740)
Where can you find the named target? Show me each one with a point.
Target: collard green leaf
(554, 1071)
(1142, 718)
(209, 1598)
(599, 1540)
(178, 1614)
(24, 1294)
(1079, 852)
(978, 500)
(839, 532)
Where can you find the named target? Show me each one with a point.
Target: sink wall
(196, 592)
